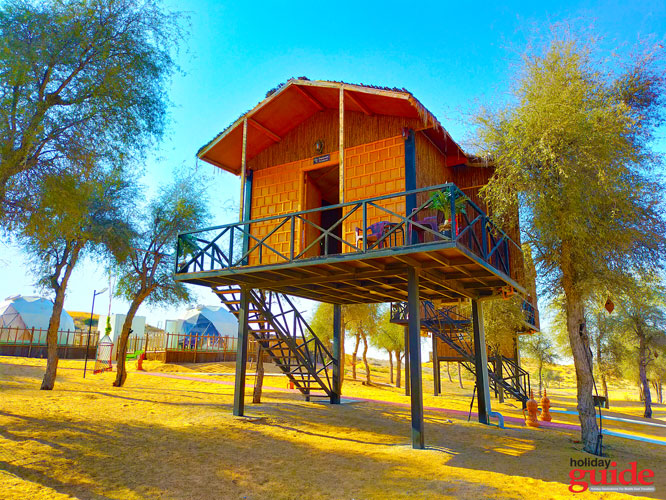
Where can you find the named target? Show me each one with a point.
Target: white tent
(210, 321)
(26, 313)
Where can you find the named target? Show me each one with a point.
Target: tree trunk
(398, 374)
(354, 354)
(582, 356)
(121, 350)
(460, 377)
(365, 359)
(448, 371)
(259, 378)
(48, 382)
(642, 372)
(390, 367)
(342, 352)
(540, 377)
(604, 386)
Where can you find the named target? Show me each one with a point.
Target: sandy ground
(161, 437)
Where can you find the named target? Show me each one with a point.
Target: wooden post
(341, 144)
(196, 347)
(481, 363)
(243, 168)
(407, 379)
(414, 326)
(241, 354)
(32, 335)
(66, 345)
(435, 366)
(410, 179)
(337, 352)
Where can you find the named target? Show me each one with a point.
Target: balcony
(359, 251)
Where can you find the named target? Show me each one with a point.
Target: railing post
(365, 225)
(484, 237)
(231, 247)
(291, 237)
(452, 201)
(66, 345)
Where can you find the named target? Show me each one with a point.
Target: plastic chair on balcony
(429, 222)
(373, 233)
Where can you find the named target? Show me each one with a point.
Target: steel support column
(481, 363)
(437, 381)
(337, 353)
(410, 178)
(241, 354)
(407, 382)
(414, 326)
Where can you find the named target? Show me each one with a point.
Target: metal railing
(300, 235)
(37, 337)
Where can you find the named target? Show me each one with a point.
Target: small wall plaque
(321, 159)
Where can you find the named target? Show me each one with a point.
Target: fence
(31, 342)
(189, 348)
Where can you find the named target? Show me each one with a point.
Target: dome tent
(208, 321)
(26, 313)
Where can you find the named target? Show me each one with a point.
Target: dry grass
(170, 438)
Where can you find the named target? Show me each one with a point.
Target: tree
(83, 210)
(362, 319)
(573, 154)
(502, 319)
(322, 326)
(641, 310)
(147, 275)
(391, 338)
(80, 78)
(540, 348)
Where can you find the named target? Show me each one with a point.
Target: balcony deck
(473, 264)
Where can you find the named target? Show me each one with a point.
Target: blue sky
(454, 56)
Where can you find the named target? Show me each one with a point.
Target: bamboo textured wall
(298, 143)
(374, 169)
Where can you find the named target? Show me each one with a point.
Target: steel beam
(337, 353)
(241, 354)
(481, 363)
(407, 382)
(414, 326)
(437, 381)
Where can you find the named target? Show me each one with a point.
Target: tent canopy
(210, 321)
(18, 311)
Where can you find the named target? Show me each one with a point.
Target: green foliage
(148, 272)
(441, 201)
(390, 336)
(83, 210)
(573, 153)
(107, 328)
(322, 323)
(501, 320)
(80, 79)
(540, 348)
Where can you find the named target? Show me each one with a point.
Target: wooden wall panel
(374, 169)
(298, 143)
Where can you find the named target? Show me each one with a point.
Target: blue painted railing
(230, 246)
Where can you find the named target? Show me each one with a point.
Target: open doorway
(322, 189)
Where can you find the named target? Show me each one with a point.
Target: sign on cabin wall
(321, 159)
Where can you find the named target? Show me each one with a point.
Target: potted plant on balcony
(441, 201)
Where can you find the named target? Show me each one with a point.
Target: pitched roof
(291, 103)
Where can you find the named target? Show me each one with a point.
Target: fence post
(196, 347)
(32, 334)
(66, 344)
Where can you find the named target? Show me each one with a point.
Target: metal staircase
(454, 329)
(283, 333)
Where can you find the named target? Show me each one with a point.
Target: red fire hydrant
(142, 356)
(545, 406)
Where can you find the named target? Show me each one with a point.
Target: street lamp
(95, 294)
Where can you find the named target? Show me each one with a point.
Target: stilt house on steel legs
(357, 194)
